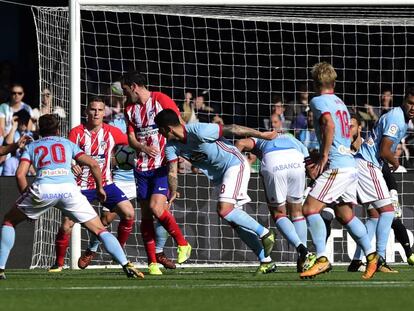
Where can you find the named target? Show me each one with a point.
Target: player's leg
(89, 254)
(79, 209)
(62, 243)
(232, 191)
(252, 241)
(161, 236)
(371, 226)
(401, 236)
(345, 215)
(158, 203)
(7, 234)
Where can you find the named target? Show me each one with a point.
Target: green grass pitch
(205, 289)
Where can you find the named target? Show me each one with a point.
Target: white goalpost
(239, 56)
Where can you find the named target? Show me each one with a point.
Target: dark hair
(166, 117)
(356, 117)
(276, 98)
(16, 85)
(409, 91)
(23, 116)
(48, 125)
(133, 77)
(95, 99)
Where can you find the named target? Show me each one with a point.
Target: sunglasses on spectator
(17, 93)
(46, 94)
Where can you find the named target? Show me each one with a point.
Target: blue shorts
(114, 195)
(151, 182)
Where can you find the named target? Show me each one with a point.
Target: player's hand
(76, 170)
(151, 151)
(321, 165)
(101, 194)
(174, 195)
(269, 135)
(311, 171)
(23, 141)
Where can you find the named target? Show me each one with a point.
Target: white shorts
(336, 185)
(372, 187)
(128, 188)
(39, 198)
(233, 189)
(284, 178)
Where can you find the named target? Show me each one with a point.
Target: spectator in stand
(14, 104)
(296, 111)
(308, 136)
(276, 120)
(187, 112)
(386, 103)
(279, 109)
(403, 156)
(19, 129)
(202, 112)
(46, 107)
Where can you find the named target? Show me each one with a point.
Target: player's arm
(14, 146)
(245, 144)
(386, 153)
(84, 159)
(238, 130)
(173, 180)
(327, 127)
(21, 174)
(152, 151)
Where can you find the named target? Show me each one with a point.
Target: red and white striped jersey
(140, 118)
(99, 145)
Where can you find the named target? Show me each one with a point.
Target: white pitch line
(368, 284)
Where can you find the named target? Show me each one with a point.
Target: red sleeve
(130, 125)
(79, 154)
(220, 130)
(166, 102)
(72, 135)
(119, 137)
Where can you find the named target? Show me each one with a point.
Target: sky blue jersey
(206, 149)
(52, 157)
(117, 173)
(340, 152)
(392, 125)
(282, 142)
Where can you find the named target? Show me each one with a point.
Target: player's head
(356, 126)
(409, 102)
(324, 76)
(131, 82)
(95, 111)
(48, 125)
(166, 120)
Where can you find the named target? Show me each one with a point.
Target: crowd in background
(18, 118)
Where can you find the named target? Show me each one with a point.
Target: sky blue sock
(7, 234)
(371, 225)
(383, 231)
(252, 241)
(318, 232)
(301, 229)
(113, 247)
(241, 218)
(94, 243)
(161, 236)
(287, 228)
(359, 233)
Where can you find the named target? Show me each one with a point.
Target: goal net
(239, 58)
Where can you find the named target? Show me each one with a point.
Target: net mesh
(239, 58)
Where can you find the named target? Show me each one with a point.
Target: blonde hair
(324, 75)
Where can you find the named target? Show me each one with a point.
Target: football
(125, 156)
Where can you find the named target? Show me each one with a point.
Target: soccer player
(97, 140)
(334, 172)
(283, 173)
(54, 185)
(125, 180)
(377, 149)
(203, 145)
(151, 171)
